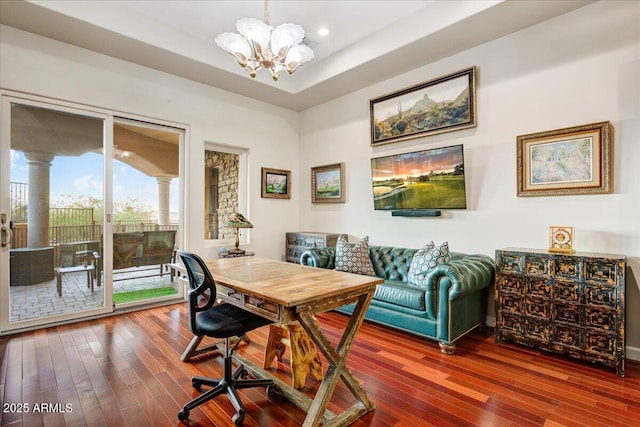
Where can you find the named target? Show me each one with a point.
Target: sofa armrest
(464, 275)
(319, 257)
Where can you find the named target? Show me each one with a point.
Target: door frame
(7, 97)
(5, 177)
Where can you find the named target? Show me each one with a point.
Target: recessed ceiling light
(323, 31)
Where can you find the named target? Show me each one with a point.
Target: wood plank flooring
(125, 370)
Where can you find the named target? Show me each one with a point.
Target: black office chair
(217, 321)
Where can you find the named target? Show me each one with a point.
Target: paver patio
(42, 300)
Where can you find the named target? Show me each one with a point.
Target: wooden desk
(285, 292)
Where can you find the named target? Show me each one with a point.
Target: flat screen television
(423, 180)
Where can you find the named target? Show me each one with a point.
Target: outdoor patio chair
(158, 247)
(127, 248)
(73, 254)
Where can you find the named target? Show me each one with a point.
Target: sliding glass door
(145, 211)
(89, 212)
(52, 210)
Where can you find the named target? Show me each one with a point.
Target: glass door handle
(5, 231)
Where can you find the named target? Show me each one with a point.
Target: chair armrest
(465, 276)
(319, 257)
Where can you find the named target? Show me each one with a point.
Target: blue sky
(83, 175)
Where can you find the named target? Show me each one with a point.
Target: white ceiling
(369, 41)
(349, 21)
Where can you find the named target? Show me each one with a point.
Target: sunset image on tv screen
(427, 179)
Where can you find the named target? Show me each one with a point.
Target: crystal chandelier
(261, 46)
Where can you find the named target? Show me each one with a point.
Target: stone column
(38, 199)
(163, 199)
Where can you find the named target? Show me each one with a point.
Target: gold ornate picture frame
(575, 160)
(327, 183)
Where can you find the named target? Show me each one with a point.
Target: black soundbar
(416, 212)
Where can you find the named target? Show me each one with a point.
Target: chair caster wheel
(183, 415)
(271, 390)
(196, 384)
(238, 418)
(244, 374)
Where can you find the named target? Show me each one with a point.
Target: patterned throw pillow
(414, 269)
(425, 260)
(354, 259)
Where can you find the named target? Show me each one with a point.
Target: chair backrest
(127, 249)
(76, 253)
(202, 287)
(157, 247)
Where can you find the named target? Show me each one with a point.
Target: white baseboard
(491, 321)
(632, 353)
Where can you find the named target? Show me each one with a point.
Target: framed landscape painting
(575, 160)
(276, 183)
(327, 184)
(440, 105)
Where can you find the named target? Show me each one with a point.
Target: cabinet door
(538, 329)
(567, 268)
(567, 336)
(602, 271)
(510, 284)
(600, 342)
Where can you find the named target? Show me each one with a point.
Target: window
(224, 189)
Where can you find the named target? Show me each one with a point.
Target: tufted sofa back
(390, 262)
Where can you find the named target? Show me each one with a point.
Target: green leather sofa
(452, 304)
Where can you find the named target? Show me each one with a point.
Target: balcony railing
(82, 233)
(78, 233)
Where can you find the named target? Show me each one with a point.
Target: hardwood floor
(126, 370)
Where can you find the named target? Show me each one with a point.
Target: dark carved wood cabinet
(570, 304)
(298, 242)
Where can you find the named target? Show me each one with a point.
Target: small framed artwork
(575, 160)
(276, 183)
(327, 184)
(561, 239)
(440, 105)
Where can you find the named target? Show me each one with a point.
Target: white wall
(579, 68)
(41, 66)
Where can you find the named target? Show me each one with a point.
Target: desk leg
(337, 358)
(303, 360)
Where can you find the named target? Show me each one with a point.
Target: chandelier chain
(266, 12)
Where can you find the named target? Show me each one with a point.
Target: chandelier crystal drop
(261, 46)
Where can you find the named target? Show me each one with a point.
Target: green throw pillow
(354, 259)
(425, 260)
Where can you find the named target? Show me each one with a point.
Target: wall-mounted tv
(426, 179)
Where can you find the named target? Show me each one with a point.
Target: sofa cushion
(354, 258)
(397, 292)
(425, 260)
(391, 262)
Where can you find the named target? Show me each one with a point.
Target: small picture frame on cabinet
(561, 239)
